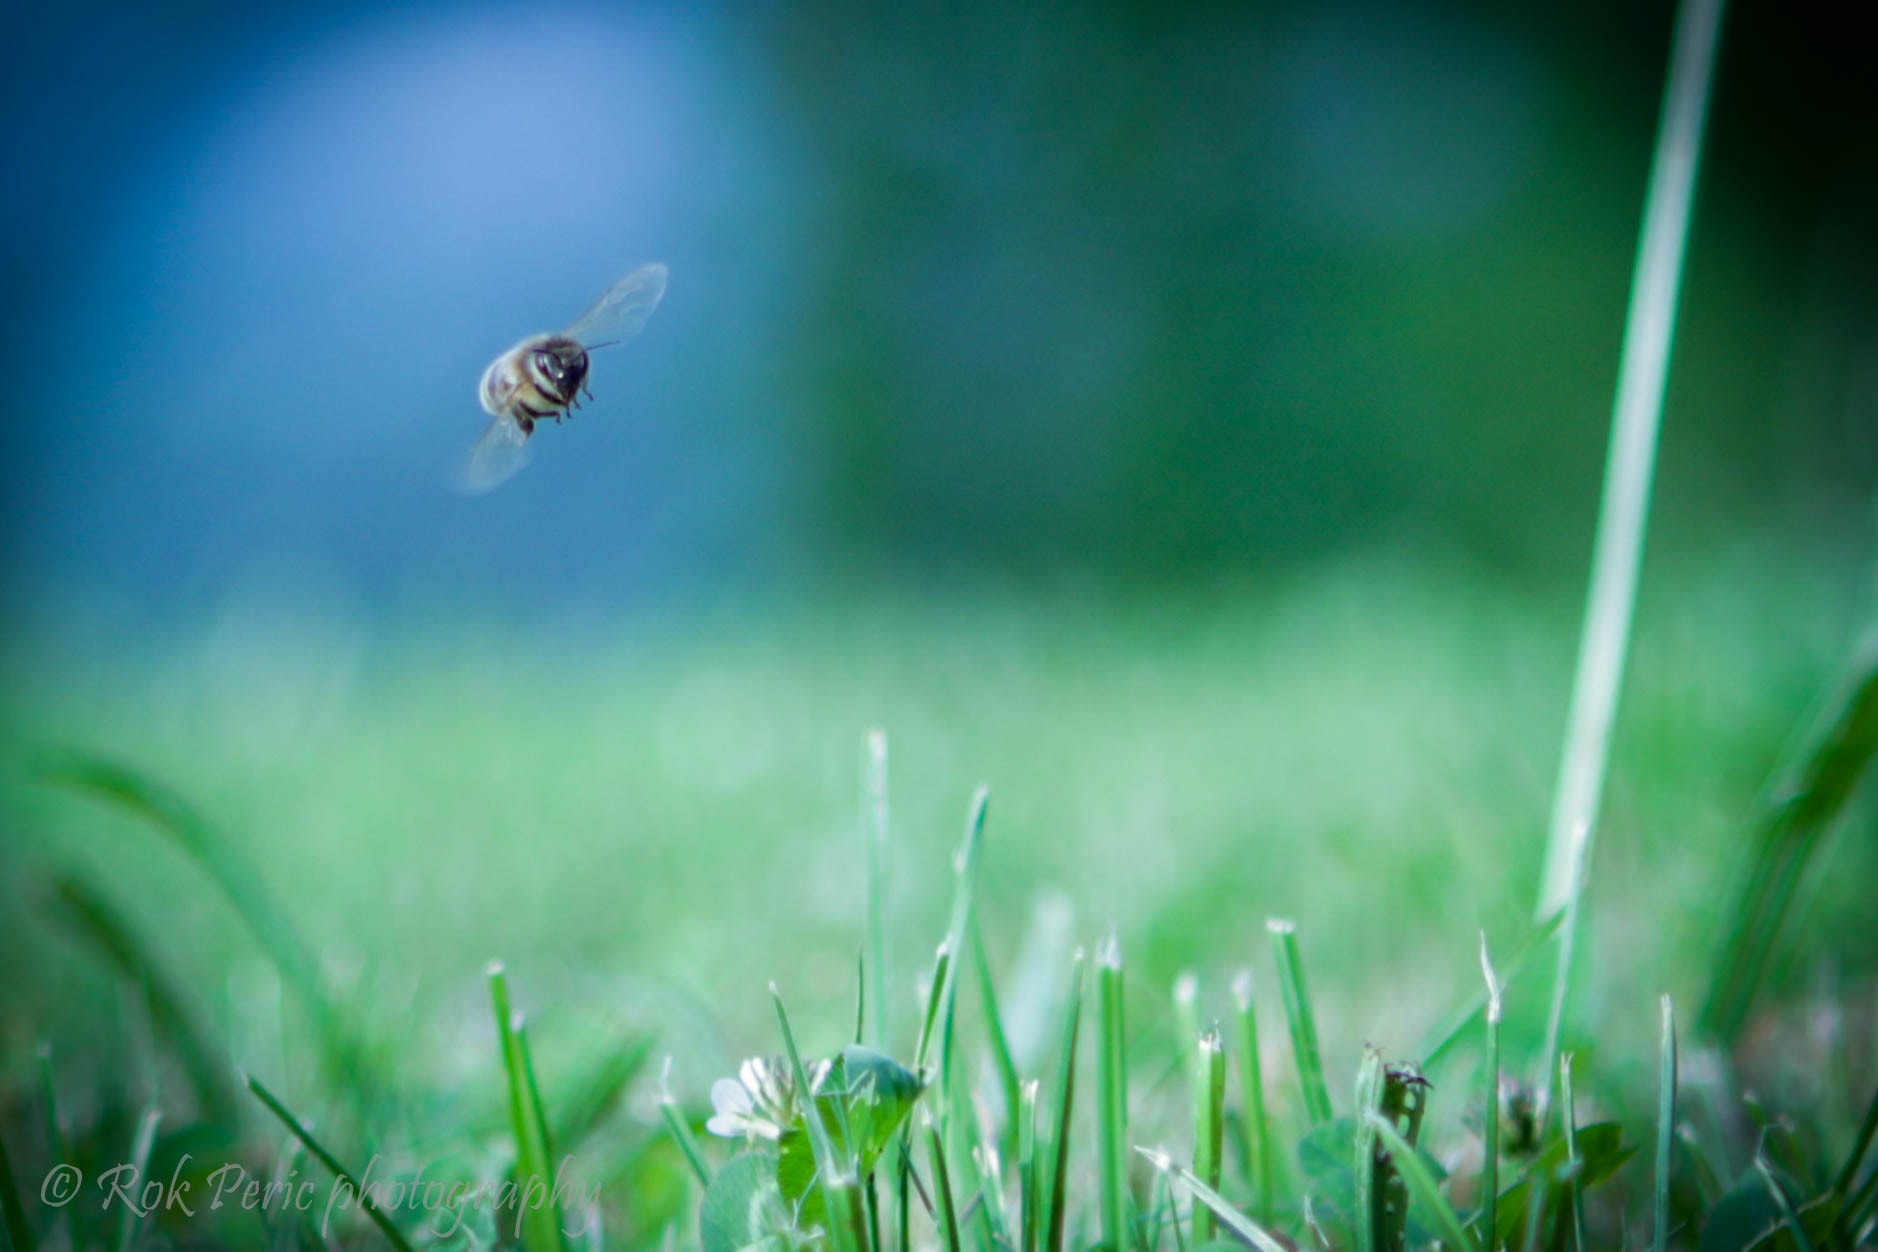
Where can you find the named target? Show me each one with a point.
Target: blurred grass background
(652, 825)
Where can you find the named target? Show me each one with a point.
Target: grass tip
(1158, 1157)
(1493, 981)
(1242, 989)
(1109, 951)
(1186, 989)
(493, 969)
(1280, 925)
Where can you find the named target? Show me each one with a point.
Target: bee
(544, 376)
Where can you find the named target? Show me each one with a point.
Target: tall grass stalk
(1490, 1123)
(331, 1162)
(1803, 806)
(680, 1129)
(1302, 1019)
(140, 1146)
(946, 1214)
(58, 1136)
(1008, 1085)
(1247, 1229)
(1568, 1112)
(1617, 554)
(874, 814)
(1665, 1125)
(1112, 1097)
(1029, 1188)
(1784, 1202)
(1259, 1147)
(541, 1219)
(833, 1172)
(1848, 1173)
(1642, 372)
(1209, 1125)
(946, 970)
(1062, 1103)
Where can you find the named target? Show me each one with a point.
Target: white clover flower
(760, 1102)
(736, 1113)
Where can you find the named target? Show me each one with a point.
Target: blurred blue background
(1062, 291)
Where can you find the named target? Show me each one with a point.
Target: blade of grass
(1784, 1203)
(1230, 1217)
(331, 1163)
(1303, 1022)
(1642, 372)
(1457, 1027)
(130, 1218)
(1574, 1167)
(1258, 1130)
(1665, 1125)
(1842, 1186)
(1062, 1102)
(945, 973)
(1490, 1125)
(58, 1136)
(1623, 511)
(1422, 1185)
(240, 884)
(1112, 1091)
(1166, 1210)
(101, 926)
(994, 1224)
(1186, 1003)
(1804, 806)
(1029, 1187)
(1005, 1067)
(947, 1216)
(874, 826)
(835, 1174)
(1366, 1215)
(680, 1129)
(1209, 1124)
(942, 963)
(1861, 1208)
(541, 1222)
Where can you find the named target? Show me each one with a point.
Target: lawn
(651, 819)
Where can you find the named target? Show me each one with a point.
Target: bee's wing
(497, 456)
(623, 309)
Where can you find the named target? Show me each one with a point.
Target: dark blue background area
(1131, 293)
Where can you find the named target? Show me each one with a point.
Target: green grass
(567, 820)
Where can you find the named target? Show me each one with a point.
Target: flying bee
(544, 376)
